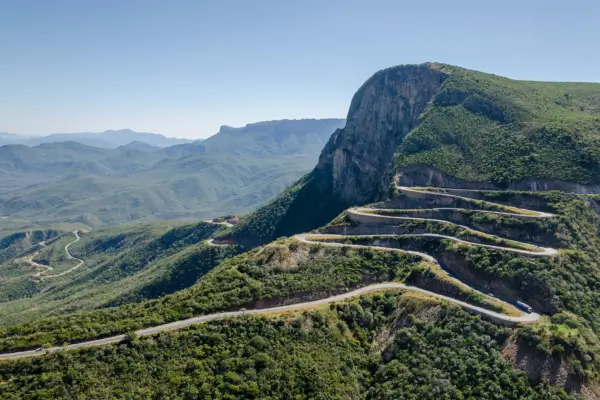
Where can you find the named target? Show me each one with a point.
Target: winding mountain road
(366, 214)
(211, 242)
(362, 214)
(538, 251)
(524, 213)
(29, 260)
(224, 223)
(315, 238)
(311, 304)
(69, 256)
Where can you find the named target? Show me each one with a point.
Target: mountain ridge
(468, 125)
(109, 139)
(74, 182)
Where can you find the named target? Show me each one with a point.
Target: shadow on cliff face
(356, 165)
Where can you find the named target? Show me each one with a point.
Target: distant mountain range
(107, 139)
(233, 171)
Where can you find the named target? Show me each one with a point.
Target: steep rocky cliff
(356, 165)
(439, 125)
(382, 112)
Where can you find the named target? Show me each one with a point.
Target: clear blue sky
(183, 68)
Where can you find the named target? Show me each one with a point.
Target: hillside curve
(321, 239)
(69, 256)
(371, 216)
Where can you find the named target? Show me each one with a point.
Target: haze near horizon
(185, 68)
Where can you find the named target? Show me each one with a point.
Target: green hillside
(486, 128)
(121, 265)
(435, 352)
(287, 270)
(15, 244)
(513, 234)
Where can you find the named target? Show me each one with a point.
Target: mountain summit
(441, 125)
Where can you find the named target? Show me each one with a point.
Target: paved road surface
(534, 213)
(540, 251)
(311, 304)
(224, 223)
(312, 239)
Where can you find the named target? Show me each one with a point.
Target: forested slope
(362, 349)
(121, 265)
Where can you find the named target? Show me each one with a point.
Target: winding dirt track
(29, 260)
(224, 223)
(69, 256)
(320, 239)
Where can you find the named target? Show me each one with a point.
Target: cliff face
(439, 125)
(382, 112)
(356, 164)
(424, 175)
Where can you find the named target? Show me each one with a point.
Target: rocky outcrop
(551, 369)
(423, 175)
(358, 159)
(381, 113)
(356, 164)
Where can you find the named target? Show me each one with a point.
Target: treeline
(382, 346)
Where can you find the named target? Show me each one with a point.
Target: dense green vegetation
(486, 128)
(566, 286)
(124, 264)
(363, 350)
(16, 266)
(185, 268)
(564, 336)
(283, 270)
(290, 270)
(567, 282)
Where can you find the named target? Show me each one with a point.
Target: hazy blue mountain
(301, 137)
(11, 138)
(233, 171)
(111, 139)
(275, 137)
(107, 139)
